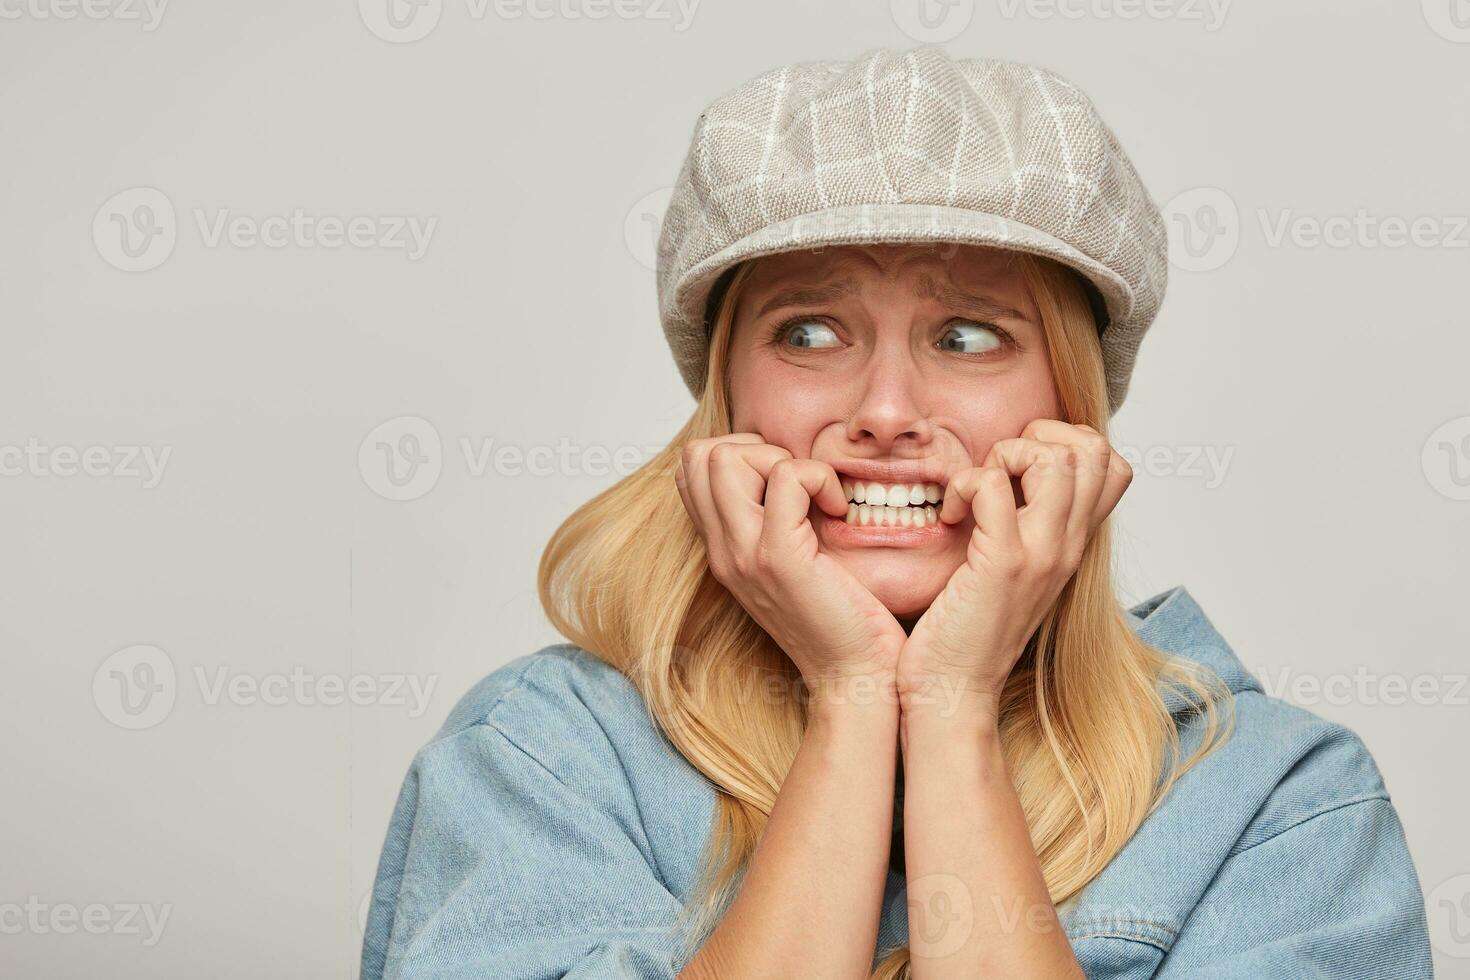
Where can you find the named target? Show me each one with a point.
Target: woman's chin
(908, 608)
(906, 575)
(906, 581)
(906, 597)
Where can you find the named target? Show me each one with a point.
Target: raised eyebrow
(808, 295)
(982, 307)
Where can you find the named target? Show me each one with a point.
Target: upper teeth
(892, 495)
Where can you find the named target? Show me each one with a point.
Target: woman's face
(896, 365)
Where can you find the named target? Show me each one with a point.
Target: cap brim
(894, 224)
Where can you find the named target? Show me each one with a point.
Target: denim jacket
(549, 830)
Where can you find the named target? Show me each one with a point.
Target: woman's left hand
(1018, 561)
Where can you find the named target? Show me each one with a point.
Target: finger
(684, 470)
(737, 473)
(1118, 478)
(994, 507)
(954, 506)
(1048, 482)
(1093, 455)
(681, 482)
(796, 484)
(696, 479)
(983, 492)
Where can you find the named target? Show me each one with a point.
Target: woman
(849, 690)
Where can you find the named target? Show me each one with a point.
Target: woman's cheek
(786, 416)
(773, 426)
(998, 412)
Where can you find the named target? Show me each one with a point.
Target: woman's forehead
(931, 269)
(892, 260)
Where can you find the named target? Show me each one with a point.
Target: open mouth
(897, 505)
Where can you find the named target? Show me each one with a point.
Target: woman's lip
(838, 531)
(894, 472)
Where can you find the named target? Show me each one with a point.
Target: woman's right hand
(750, 502)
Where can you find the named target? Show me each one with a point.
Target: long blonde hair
(1085, 729)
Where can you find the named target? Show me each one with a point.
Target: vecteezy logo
(135, 230)
(400, 21)
(642, 226)
(1449, 916)
(402, 458)
(135, 688)
(1446, 458)
(1204, 229)
(1450, 19)
(932, 21)
(941, 915)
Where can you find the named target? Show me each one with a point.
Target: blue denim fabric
(549, 830)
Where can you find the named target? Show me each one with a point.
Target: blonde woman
(849, 692)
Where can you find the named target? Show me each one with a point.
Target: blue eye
(971, 338)
(809, 333)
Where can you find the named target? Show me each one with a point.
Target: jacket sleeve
(497, 867)
(1335, 894)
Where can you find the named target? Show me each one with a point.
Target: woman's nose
(889, 404)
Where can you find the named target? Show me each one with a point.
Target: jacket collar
(1173, 622)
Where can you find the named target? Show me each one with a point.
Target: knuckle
(750, 563)
(991, 480)
(1011, 565)
(764, 560)
(1046, 560)
(722, 454)
(1095, 451)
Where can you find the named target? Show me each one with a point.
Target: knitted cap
(911, 146)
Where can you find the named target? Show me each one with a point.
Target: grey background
(1329, 380)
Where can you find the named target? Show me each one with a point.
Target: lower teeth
(865, 515)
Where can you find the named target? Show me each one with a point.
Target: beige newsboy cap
(910, 146)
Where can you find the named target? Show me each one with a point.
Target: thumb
(796, 484)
